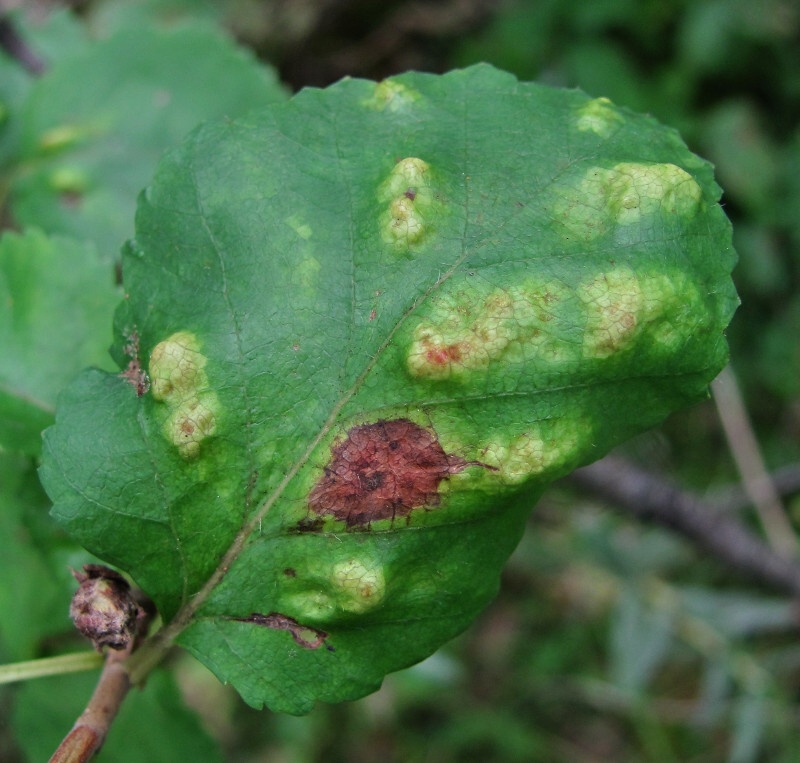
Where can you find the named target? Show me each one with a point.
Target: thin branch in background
(12, 43)
(50, 666)
(733, 499)
(747, 455)
(653, 499)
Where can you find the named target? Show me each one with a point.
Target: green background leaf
(149, 723)
(56, 300)
(34, 578)
(94, 126)
(527, 275)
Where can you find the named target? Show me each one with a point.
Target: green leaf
(152, 725)
(54, 35)
(56, 300)
(32, 587)
(377, 321)
(97, 122)
(15, 83)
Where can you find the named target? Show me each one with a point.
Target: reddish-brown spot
(383, 471)
(372, 314)
(442, 356)
(411, 194)
(304, 635)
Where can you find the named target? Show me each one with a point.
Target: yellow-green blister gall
(600, 117)
(613, 303)
(313, 605)
(467, 330)
(176, 368)
(544, 450)
(410, 204)
(178, 380)
(191, 423)
(603, 198)
(359, 585)
(637, 189)
(672, 306)
(392, 96)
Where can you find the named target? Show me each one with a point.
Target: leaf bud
(103, 608)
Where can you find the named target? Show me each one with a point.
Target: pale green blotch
(178, 379)
(623, 195)
(391, 96)
(352, 585)
(546, 450)
(69, 180)
(621, 306)
(310, 606)
(645, 189)
(613, 303)
(467, 330)
(407, 195)
(359, 585)
(306, 273)
(300, 227)
(599, 116)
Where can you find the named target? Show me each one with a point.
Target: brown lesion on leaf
(303, 635)
(134, 373)
(384, 470)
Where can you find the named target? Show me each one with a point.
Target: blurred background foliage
(610, 641)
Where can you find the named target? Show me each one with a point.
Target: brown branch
(653, 499)
(91, 728)
(746, 452)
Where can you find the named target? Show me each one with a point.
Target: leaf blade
(396, 260)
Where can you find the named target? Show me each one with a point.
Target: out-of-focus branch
(12, 43)
(732, 499)
(747, 455)
(653, 499)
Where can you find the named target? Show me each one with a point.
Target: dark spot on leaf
(290, 572)
(383, 471)
(309, 525)
(411, 194)
(303, 635)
